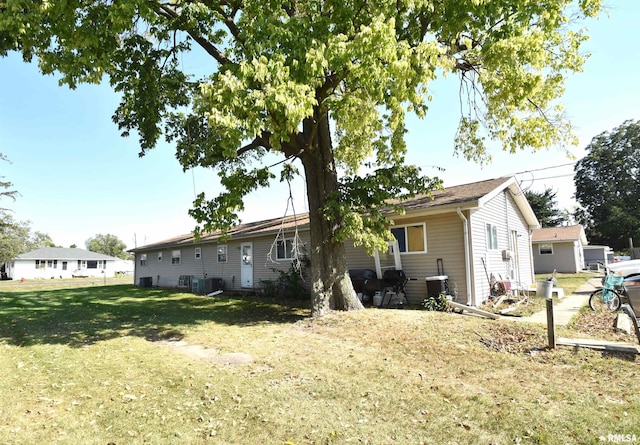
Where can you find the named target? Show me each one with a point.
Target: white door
(246, 264)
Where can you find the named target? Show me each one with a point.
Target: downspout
(467, 259)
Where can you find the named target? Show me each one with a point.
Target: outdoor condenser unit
(197, 285)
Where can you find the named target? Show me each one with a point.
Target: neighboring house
(59, 262)
(559, 249)
(597, 257)
(471, 231)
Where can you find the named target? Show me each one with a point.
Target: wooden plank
(599, 345)
(473, 310)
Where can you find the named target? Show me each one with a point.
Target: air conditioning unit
(507, 255)
(197, 285)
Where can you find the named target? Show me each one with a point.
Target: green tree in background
(607, 183)
(545, 207)
(324, 84)
(5, 187)
(108, 245)
(16, 238)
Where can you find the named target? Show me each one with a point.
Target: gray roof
(465, 195)
(62, 253)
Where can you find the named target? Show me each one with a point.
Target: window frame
(176, 257)
(406, 242)
(491, 232)
(197, 253)
(159, 256)
(220, 256)
(549, 245)
(288, 249)
(143, 260)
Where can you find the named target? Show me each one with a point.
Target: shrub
(289, 284)
(437, 303)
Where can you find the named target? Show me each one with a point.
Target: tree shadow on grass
(80, 316)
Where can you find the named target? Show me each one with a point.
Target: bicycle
(609, 297)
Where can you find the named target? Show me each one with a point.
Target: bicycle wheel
(604, 301)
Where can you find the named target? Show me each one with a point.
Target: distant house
(59, 262)
(465, 232)
(597, 257)
(559, 249)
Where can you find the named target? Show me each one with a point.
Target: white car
(625, 268)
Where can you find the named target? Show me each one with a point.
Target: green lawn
(92, 365)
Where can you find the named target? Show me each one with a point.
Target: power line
(552, 177)
(544, 168)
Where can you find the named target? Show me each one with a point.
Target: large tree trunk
(331, 286)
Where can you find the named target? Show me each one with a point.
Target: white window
(285, 249)
(222, 254)
(143, 259)
(175, 256)
(159, 256)
(198, 252)
(492, 237)
(545, 249)
(411, 238)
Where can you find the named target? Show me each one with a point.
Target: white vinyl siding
(501, 212)
(219, 261)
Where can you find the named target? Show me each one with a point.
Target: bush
(438, 303)
(289, 284)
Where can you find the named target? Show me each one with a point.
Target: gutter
(467, 259)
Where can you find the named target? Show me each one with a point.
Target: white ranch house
(59, 262)
(466, 232)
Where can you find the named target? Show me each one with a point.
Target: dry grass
(534, 303)
(85, 366)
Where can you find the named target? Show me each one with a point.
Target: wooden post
(551, 329)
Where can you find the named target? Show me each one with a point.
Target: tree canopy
(16, 238)
(607, 183)
(323, 83)
(5, 187)
(545, 207)
(108, 245)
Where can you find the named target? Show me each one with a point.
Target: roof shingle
(466, 193)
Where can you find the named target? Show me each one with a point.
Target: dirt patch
(601, 325)
(209, 355)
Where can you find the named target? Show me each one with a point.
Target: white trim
(406, 238)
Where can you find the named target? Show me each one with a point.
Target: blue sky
(78, 178)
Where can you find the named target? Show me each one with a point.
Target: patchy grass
(83, 366)
(569, 281)
(534, 303)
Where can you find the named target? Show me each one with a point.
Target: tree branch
(258, 142)
(170, 13)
